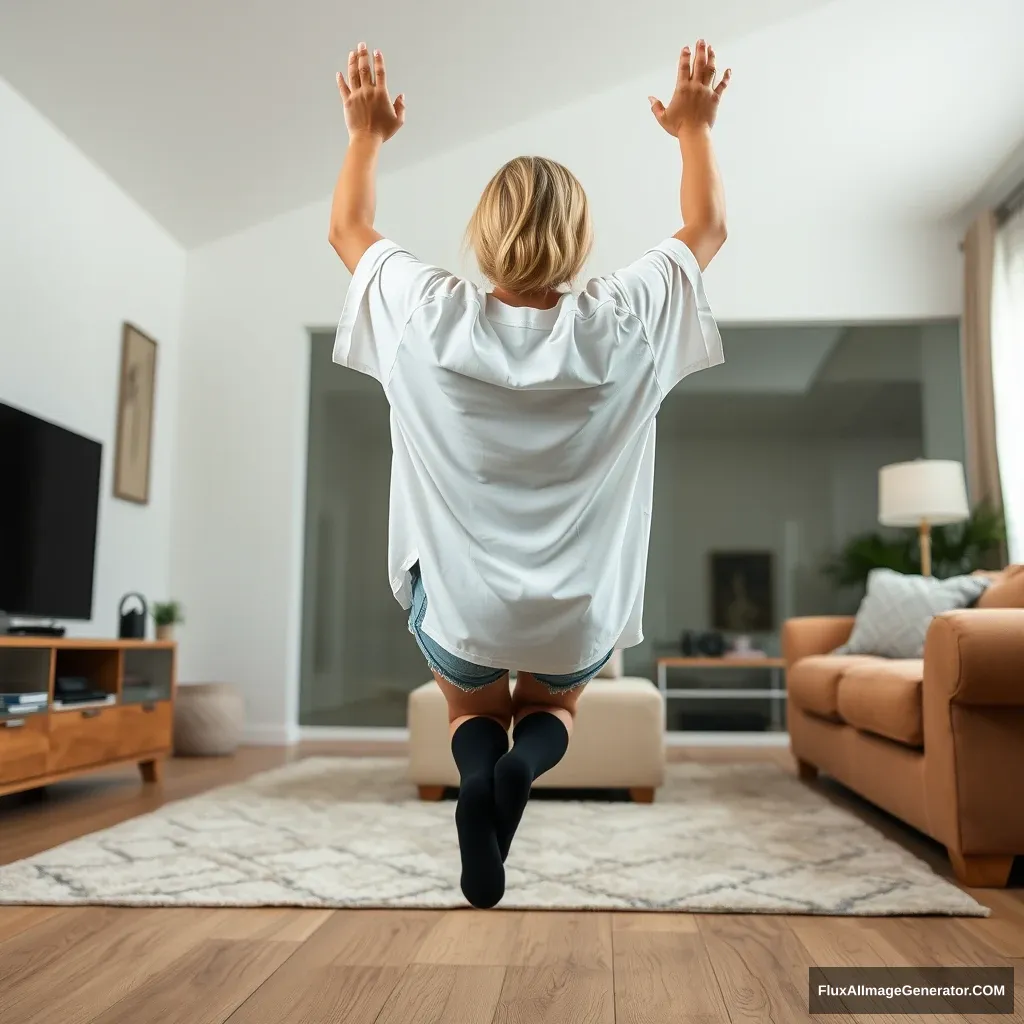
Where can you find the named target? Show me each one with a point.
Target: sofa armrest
(975, 657)
(820, 634)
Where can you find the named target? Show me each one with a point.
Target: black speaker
(696, 644)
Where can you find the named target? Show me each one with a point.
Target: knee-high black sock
(477, 745)
(539, 742)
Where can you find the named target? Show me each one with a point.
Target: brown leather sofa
(938, 742)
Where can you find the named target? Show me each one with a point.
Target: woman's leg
(531, 696)
(478, 726)
(543, 723)
(492, 701)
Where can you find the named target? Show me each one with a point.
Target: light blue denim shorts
(464, 674)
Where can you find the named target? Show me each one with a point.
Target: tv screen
(49, 500)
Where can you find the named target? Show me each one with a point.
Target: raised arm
(372, 119)
(689, 117)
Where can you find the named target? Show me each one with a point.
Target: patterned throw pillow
(897, 610)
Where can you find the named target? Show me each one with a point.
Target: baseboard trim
(727, 739)
(269, 734)
(365, 733)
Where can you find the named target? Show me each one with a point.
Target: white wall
(77, 258)
(251, 298)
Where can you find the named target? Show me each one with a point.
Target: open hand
(694, 103)
(368, 107)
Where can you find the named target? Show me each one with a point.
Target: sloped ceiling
(216, 116)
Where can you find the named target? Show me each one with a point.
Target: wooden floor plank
(482, 938)
(852, 942)
(369, 938)
(442, 994)
(1003, 932)
(38, 982)
(627, 922)
(664, 974)
(14, 920)
(51, 943)
(203, 987)
(582, 940)
(761, 967)
(275, 924)
(556, 994)
(134, 947)
(299, 994)
(947, 942)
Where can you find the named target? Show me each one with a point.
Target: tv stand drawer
(24, 747)
(83, 736)
(144, 728)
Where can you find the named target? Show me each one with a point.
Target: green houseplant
(957, 549)
(167, 615)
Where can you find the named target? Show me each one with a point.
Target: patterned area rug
(348, 832)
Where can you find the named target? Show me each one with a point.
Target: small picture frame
(742, 592)
(135, 406)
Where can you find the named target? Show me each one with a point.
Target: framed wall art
(135, 405)
(742, 591)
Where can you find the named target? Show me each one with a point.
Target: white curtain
(1008, 374)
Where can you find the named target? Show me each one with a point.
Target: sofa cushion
(812, 683)
(894, 617)
(1007, 590)
(884, 698)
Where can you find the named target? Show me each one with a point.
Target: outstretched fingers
(379, 71)
(724, 83)
(684, 73)
(400, 108)
(709, 68)
(700, 61)
(363, 60)
(353, 70)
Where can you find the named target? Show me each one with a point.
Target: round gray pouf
(208, 719)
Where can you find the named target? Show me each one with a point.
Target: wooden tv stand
(57, 744)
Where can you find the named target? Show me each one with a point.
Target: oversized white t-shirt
(523, 446)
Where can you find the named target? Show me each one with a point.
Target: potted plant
(167, 615)
(960, 548)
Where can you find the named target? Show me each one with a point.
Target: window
(1008, 373)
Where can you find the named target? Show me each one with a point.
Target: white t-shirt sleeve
(664, 290)
(389, 283)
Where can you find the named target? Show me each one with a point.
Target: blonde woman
(522, 427)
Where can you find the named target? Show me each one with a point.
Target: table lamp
(922, 494)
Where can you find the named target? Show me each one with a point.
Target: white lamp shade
(927, 490)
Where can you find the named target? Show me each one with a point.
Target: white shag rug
(348, 832)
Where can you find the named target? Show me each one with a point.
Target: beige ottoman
(208, 719)
(618, 741)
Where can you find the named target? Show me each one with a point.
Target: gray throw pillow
(897, 610)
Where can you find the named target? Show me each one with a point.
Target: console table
(44, 747)
(775, 694)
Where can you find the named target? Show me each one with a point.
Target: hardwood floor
(104, 965)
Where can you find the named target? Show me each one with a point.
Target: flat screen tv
(49, 502)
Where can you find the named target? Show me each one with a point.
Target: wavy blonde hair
(531, 230)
